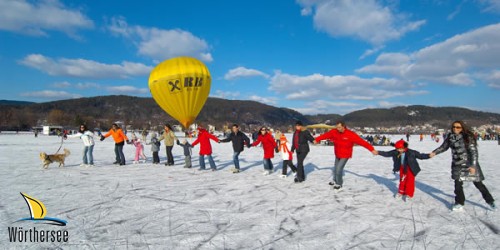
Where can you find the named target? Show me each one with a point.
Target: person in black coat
(239, 141)
(300, 143)
(405, 162)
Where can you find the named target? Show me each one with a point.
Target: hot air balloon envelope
(180, 86)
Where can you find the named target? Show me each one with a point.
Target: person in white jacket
(287, 155)
(87, 137)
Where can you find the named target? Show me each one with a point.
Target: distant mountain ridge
(15, 103)
(141, 112)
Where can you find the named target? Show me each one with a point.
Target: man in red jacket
(203, 139)
(343, 140)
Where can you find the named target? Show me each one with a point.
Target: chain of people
(461, 140)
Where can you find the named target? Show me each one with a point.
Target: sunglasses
(457, 127)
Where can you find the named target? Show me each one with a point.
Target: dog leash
(62, 141)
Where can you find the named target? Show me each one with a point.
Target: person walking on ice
(203, 139)
(464, 163)
(287, 156)
(239, 140)
(170, 138)
(268, 145)
(87, 137)
(187, 152)
(300, 143)
(139, 149)
(343, 140)
(119, 137)
(155, 148)
(405, 162)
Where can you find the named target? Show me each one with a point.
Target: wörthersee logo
(38, 211)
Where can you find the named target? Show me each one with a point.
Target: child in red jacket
(268, 144)
(203, 139)
(405, 161)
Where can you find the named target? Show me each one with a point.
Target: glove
(178, 142)
(102, 138)
(249, 145)
(128, 141)
(276, 150)
(65, 136)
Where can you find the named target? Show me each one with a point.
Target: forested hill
(145, 113)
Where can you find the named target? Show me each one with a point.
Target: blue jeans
(338, 170)
(268, 165)
(88, 158)
(210, 160)
(236, 160)
(120, 157)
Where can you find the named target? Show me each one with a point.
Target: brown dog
(48, 159)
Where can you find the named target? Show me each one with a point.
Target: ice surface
(160, 207)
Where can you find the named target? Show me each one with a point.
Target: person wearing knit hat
(405, 162)
(287, 155)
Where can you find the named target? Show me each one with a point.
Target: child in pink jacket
(139, 149)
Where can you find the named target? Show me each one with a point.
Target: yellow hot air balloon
(180, 86)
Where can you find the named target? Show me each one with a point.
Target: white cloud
(83, 68)
(160, 44)
(327, 107)
(225, 94)
(370, 52)
(339, 87)
(50, 94)
(492, 78)
(491, 5)
(126, 89)
(367, 20)
(265, 100)
(38, 17)
(242, 72)
(386, 104)
(454, 61)
(85, 85)
(61, 85)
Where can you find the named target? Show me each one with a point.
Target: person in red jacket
(268, 144)
(343, 140)
(119, 137)
(203, 139)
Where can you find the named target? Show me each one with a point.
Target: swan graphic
(38, 212)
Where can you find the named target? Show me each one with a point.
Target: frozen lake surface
(159, 207)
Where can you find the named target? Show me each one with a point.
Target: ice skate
(457, 207)
(398, 196)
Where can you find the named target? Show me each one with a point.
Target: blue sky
(314, 56)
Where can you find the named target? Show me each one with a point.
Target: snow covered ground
(160, 207)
